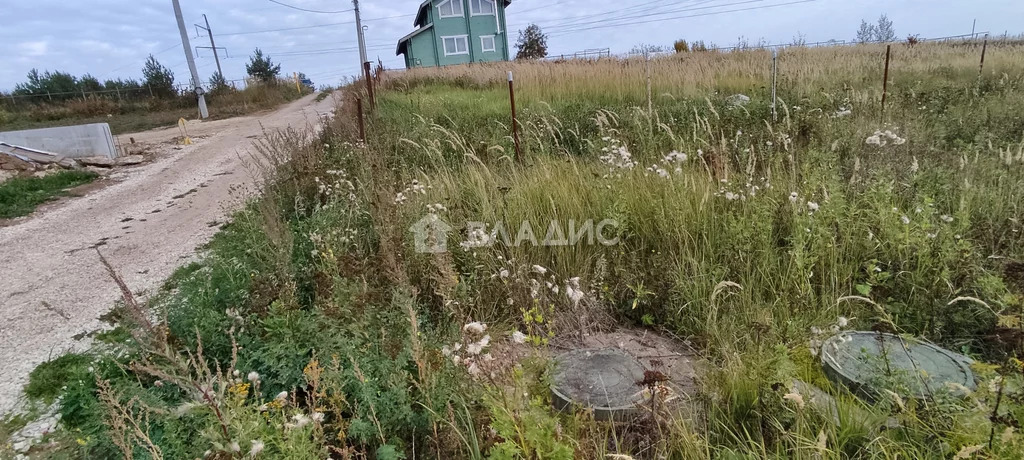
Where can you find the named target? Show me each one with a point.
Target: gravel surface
(148, 221)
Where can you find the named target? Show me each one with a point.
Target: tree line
(157, 81)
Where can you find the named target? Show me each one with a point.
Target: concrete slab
(67, 141)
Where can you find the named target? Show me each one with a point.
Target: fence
(604, 53)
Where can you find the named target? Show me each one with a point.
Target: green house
(456, 32)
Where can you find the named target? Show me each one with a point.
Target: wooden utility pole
(203, 112)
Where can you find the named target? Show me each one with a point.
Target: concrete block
(68, 141)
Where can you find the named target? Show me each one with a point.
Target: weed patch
(20, 196)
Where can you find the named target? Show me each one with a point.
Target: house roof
(402, 42)
(421, 13)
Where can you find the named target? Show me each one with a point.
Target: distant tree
(699, 46)
(681, 46)
(913, 40)
(262, 68)
(54, 85)
(158, 78)
(89, 84)
(866, 32)
(799, 39)
(645, 49)
(884, 31)
(532, 43)
(217, 81)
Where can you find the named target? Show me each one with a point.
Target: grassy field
(20, 196)
(135, 116)
(313, 327)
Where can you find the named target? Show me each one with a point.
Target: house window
(458, 44)
(481, 7)
(450, 9)
(487, 42)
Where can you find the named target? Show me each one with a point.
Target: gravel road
(147, 222)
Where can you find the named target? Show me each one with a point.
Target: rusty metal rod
(515, 120)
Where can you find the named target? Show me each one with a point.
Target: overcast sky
(111, 38)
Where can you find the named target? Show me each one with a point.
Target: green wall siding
(427, 48)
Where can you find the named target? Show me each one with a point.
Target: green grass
(20, 196)
(48, 380)
(317, 286)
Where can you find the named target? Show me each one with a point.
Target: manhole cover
(602, 379)
(863, 361)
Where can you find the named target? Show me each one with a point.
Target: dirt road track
(149, 222)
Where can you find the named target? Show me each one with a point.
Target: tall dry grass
(689, 74)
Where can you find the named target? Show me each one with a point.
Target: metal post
(369, 84)
(885, 80)
(984, 47)
(213, 46)
(362, 129)
(775, 77)
(973, 26)
(515, 120)
(203, 112)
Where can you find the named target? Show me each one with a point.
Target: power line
(617, 20)
(752, 8)
(308, 10)
(333, 24)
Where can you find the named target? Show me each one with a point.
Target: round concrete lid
(602, 379)
(860, 359)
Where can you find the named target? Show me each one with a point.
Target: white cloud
(34, 49)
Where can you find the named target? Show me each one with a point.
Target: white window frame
(453, 3)
(494, 7)
(444, 46)
(494, 44)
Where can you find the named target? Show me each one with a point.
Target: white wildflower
(235, 447)
(446, 350)
(253, 376)
(318, 417)
(539, 270)
(842, 321)
(475, 327)
(282, 396)
(503, 273)
(905, 220)
(914, 166)
(474, 369)
(731, 196)
(946, 218)
(815, 330)
(793, 197)
(474, 348)
(518, 337)
(812, 206)
(301, 420)
(257, 447)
